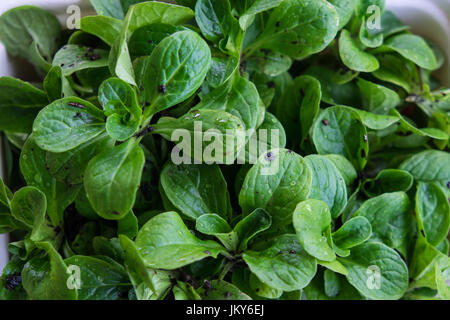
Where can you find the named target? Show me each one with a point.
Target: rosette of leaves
(355, 205)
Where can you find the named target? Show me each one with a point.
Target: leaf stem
(226, 269)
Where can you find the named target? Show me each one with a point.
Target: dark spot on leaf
(294, 42)
(270, 156)
(265, 51)
(71, 65)
(95, 57)
(170, 173)
(292, 252)
(76, 105)
(363, 153)
(227, 295)
(365, 138)
(271, 84)
(242, 67)
(162, 88)
(448, 185)
(207, 285)
(278, 24)
(325, 122)
(116, 213)
(62, 64)
(13, 280)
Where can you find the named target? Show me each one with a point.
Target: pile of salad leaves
(96, 208)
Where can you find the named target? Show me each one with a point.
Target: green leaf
(332, 283)
(352, 233)
(149, 284)
(151, 12)
(28, 204)
(316, 289)
(196, 190)
(433, 212)
(178, 67)
(239, 98)
(252, 225)
(328, 184)
(345, 9)
(426, 259)
(128, 226)
(272, 63)
(338, 130)
(391, 219)
(69, 167)
(197, 129)
(185, 291)
(426, 132)
(19, 104)
(345, 168)
(353, 57)
(299, 35)
(333, 92)
(293, 267)
(372, 264)
(279, 181)
(376, 98)
(214, 19)
(413, 48)
(72, 58)
(66, 124)
(269, 135)
(22, 26)
(312, 220)
(370, 37)
(221, 290)
(112, 8)
(34, 169)
(299, 105)
(45, 276)
(100, 279)
(56, 85)
(104, 27)
(373, 121)
(214, 225)
(255, 8)
(165, 243)
(112, 172)
(222, 69)
(334, 266)
(145, 39)
(12, 271)
(119, 62)
(399, 71)
(429, 166)
(244, 231)
(386, 181)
